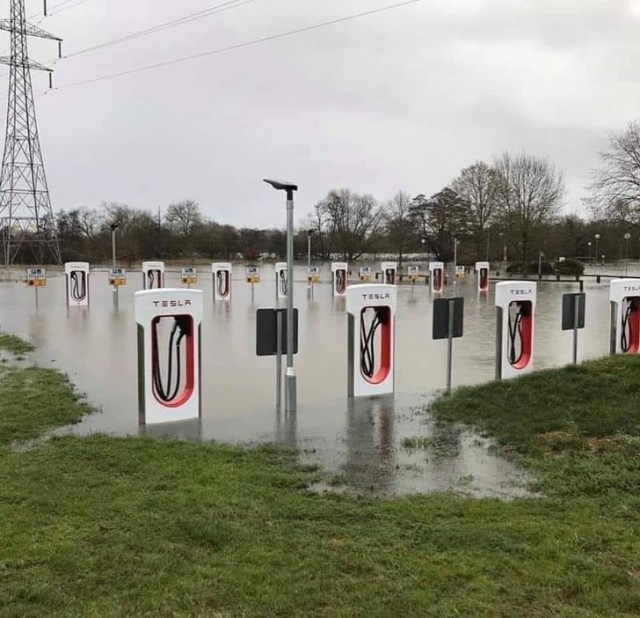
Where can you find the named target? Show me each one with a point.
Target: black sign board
(267, 329)
(569, 310)
(441, 307)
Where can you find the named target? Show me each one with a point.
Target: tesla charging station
(624, 297)
(436, 276)
(152, 275)
(516, 304)
(365, 274)
(371, 310)
(339, 275)
(221, 272)
(482, 276)
(282, 285)
(389, 272)
(168, 354)
(77, 278)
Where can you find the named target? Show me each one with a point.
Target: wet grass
(33, 400)
(104, 526)
(14, 344)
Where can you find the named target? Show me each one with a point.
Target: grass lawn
(104, 526)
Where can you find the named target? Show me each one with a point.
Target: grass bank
(104, 526)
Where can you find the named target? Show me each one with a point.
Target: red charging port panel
(437, 280)
(633, 338)
(484, 280)
(383, 343)
(189, 381)
(525, 332)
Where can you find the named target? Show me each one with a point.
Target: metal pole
(309, 284)
(252, 284)
(576, 314)
(450, 345)
(539, 265)
(455, 260)
(290, 384)
(278, 359)
(113, 265)
(613, 333)
(595, 257)
(488, 240)
(626, 256)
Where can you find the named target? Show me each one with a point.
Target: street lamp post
(455, 260)
(309, 284)
(290, 374)
(589, 257)
(488, 240)
(503, 242)
(114, 227)
(627, 236)
(595, 257)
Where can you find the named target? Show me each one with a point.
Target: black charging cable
(222, 281)
(367, 341)
(516, 347)
(283, 282)
(181, 328)
(78, 285)
(341, 281)
(625, 337)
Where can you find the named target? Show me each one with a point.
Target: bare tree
(439, 219)
(183, 218)
(530, 193)
(477, 185)
(615, 189)
(353, 220)
(398, 223)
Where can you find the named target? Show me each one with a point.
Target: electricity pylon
(26, 216)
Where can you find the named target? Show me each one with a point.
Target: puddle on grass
(367, 444)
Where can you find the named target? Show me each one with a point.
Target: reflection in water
(369, 438)
(97, 347)
(285, 433)
(181, 430)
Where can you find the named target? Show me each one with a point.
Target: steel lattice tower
(26, 216)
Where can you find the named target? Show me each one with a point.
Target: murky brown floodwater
(360, 440)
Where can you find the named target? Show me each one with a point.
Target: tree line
(511, 207)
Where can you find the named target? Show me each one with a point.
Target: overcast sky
(402, 99)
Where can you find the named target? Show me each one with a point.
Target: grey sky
(399, 100)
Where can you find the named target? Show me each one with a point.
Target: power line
(221, 50)
(50, 8)
(218, 8)
(56, 10)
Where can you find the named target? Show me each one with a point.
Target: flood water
(360, 442)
